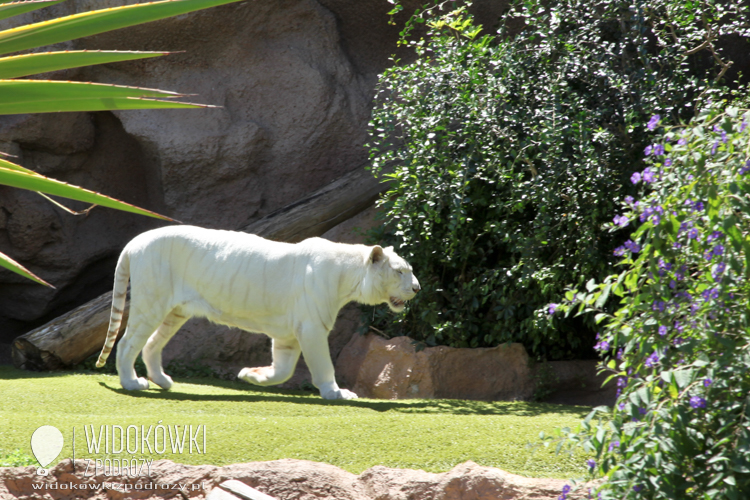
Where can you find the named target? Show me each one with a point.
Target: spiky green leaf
(14, 266)
(10, 9)
(93, 22)
(42, 96)
(36, 182)
(32, 64)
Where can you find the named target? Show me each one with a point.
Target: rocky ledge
(280, 480)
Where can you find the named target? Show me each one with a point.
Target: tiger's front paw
(338, 394)
(137, 384)
(162, 380)
(255, 376)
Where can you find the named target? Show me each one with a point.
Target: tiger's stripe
(119, 296)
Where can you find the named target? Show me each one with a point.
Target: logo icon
(46, 444)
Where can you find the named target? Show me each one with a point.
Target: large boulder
(375, 367)
(380, 368)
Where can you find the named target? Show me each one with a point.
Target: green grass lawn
(244, 423)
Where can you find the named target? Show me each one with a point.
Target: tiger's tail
(119, 294)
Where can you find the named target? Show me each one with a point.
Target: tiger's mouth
(397, 303)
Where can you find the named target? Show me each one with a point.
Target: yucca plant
(19, 95)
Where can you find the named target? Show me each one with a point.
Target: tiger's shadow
(433, 406)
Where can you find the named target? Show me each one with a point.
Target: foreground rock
(283, 480)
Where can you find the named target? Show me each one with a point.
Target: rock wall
(284, 480)
(294, 81)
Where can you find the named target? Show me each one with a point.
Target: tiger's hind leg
(152, 351)
(139, 329)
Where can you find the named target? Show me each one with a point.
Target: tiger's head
(391, 277)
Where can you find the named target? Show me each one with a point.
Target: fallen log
(71, 338)
(322, 210)
(66, 340)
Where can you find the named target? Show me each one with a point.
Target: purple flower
(682, 142)
(724, 138)
(621, 220)
(619, 251)
(680, 273)
(697, 402)
(698, 206)
(707, 382)
(718, 250)
(718, 271)
(591, 463)
(746, 168)
(693, 234)
(658, 149)
(635, 178)
(668, 162)
(647, 176)
(602, 346)
(552, 308)
(653, 122)
(714, 148)
(629, 200)
(632, 246)
(648, 150)
(652, 360)
(709, 294)
(714, 236)
(743, 126)
(662, 330)
(614, 444)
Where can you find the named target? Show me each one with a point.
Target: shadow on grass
(251, 394)
(435, 406)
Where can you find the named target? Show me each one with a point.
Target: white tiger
(290, 292)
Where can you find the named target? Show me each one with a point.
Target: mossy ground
(244, 423)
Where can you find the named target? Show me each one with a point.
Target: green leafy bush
(512, 151)
(679, 344)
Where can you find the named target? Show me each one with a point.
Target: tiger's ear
(377, 254)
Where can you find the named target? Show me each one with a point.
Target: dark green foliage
(511, 152)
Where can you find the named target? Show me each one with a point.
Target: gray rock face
(293, 82)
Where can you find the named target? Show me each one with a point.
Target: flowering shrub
(512, 151)
(679, 345)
